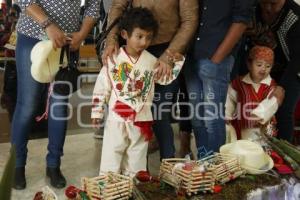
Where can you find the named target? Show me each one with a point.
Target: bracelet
(47, 22)
(170, 61)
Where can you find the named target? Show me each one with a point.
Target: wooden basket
(226, 167)
(190, 181)
(108, 187)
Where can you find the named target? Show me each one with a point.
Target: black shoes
(19, 181)
(57, 180)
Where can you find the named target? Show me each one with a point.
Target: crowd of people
(142, 80)
(210, 52)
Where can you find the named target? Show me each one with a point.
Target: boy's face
(259, 70)
(138, 41)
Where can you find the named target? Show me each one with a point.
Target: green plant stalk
(290, 145)
(290, 151)
(287, 158)
(8, 176)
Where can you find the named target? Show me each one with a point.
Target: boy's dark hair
(138, 17)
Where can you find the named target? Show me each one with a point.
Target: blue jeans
(207, 85)
(29, 96)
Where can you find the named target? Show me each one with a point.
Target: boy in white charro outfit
(128, 87)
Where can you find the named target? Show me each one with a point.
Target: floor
(81, 151)
(81, 159)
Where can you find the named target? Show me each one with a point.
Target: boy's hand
(255, 119)
(279, 93)
(96, 122)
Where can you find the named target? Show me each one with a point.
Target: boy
(247, 105)
(128, 87)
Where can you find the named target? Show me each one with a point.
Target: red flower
(119, 86)
(139, 84)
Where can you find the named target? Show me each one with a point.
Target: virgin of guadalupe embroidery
(134, 89)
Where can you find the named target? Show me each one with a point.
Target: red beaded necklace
(130, 58)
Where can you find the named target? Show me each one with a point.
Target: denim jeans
(29, 96)
(285, 114)
(207, 85)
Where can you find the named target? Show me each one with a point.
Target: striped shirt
(64, 13)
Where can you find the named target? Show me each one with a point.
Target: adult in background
(178, 21)
(41, 19)
(283, 18)
(209, 64)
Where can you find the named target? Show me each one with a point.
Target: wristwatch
(46, 23)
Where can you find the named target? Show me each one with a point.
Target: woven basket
(108, 187)
(226, 167)
(189, 181)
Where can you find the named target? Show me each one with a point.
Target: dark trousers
(163, 110)
(285, 115)
(183, 101)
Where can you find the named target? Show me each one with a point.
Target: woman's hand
(173, 56)
(165, 64)
(108, 53)
(75, 39)
(162, 69)
(57, 36)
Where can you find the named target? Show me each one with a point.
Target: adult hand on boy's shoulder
(108, 53)
(279, 93)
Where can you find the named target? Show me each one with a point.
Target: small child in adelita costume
(249, 107)
(127, 86)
